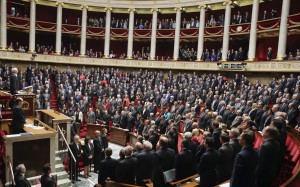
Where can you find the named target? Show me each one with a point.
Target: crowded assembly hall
(150, 93)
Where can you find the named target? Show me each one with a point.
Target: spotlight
(219, 64)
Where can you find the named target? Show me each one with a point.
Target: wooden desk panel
(91, 128)
(133, 138)
(118, 135)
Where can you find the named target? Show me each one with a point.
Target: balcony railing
(259, 66)
(240, 29)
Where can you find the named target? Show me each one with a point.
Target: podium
(118, 135)
(91, 128)
(34, 148)
(133, 138)
(54, 119)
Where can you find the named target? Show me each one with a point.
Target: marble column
(153, 34)
(226, 30)
(58, 28)
(3, 39)
(130, 33)
(201, 33)
(283, 32)
(253, 32)
(32, 26)
(107, 32)
(177, 33)
(83, 31)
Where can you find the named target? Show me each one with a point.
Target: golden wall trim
(258, 66)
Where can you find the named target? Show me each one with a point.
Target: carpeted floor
(84, 182)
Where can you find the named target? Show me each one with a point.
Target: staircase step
(62, 175)
(64, 183)
(58, 160)
(59, 167)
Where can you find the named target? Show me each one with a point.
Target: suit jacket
(98, 147)
(126, 170)
(145, 165)
(47, 181)
(268, 163)
(244, 166)
(164, 161)
(236, 147)
(75, 150)
(18, 119)
(292, 117)
(184, 164)
(21, 181)
(107, 169)
(14, 84)
(87, 151)
(224, 166)
(207, 168)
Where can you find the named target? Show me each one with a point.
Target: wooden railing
(11, 171)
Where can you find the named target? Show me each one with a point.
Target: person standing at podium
(14, 81)
(18, 117)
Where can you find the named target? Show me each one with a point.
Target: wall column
(107, 32)
(253, 32)
(3, 39)
(177, 33)
(32, 26)
(281, 53)
(83, 31)
(130, 33)
(58, 28)
(201, 33)
(153, 34)
(226, 30)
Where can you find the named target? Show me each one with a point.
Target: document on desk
(34, 127)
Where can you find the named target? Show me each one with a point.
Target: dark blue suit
(243, 173)
(207, 168)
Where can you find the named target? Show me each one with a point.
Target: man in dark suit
(216, 134)
(234, 142)
(292, 115)
(76, 151)
(184, 164)
(98, 150)
(14, 82)
(207, 164)
(107, 168)
(269, 158)
(20, 178)
(244, 166)
(164, 161)
(224, 166)
(126, 169)
(18, 117)
(145, 164)
(46, 180)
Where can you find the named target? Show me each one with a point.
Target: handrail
(63, 136)
(193, 177)
(11, 171)
(297, 173)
